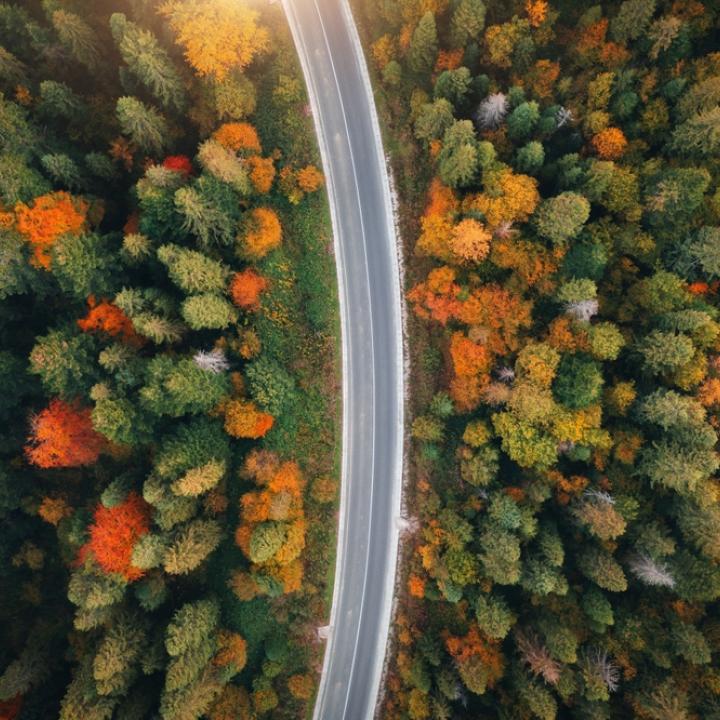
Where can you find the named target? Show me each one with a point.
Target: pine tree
(192, 271)
(117, 656)
(522, 120)
(433, 120)
(561, 218)
(191, 545)
(699, 136)
(423, 46)
(458, 159)
(204, 219)
(75, 34)
(143, 124)
(208, 311)
(225, 165)
(191, 625)
(85, 265)
(467, 22)
(148, 61)
(59, 100)
(200, 479)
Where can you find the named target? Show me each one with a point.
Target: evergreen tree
(467, 22)
(191, 545)
(144, 125)
(424, 45)
(78, 37)
(192, 271)
(85, 265)
(148, 62)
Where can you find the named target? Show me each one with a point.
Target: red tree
(63, 436)
(114, 533)
(178, 163)
(246, 287)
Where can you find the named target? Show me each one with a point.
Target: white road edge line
(389, 580)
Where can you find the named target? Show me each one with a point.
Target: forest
(559, 185)
(168, 364)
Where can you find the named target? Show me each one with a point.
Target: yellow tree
(218, 35)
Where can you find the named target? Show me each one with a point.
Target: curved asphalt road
(369, 290)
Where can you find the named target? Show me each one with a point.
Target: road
(372, 349)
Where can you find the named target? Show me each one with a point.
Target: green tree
(194, 443)
(458, 159)
(18, 276)
(19, 182)
(267, 538)
(148, 61)
(177, 388)
(632, 20)
(453, 85)
(467, 22)
(193, 271)
(699, 136)
(500, 555)
(86, 265)
(57, 100)
(65, 362)
(63, 170)
(143, 124)
(208, 311)
(270, 385)
(423, 45)
(191, 625)
(118, 654)
(494, 616)
(191, 545)
(602, 568)
(120, 421)
(522, 120)
(664, 352)
(78, 37)
(530, 158)
(561, 218)
(578, 382)
(204, 218)
(433, 120)
(606, 341)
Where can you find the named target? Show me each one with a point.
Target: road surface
(372, 348)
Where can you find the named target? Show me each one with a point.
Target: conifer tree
(75, 34)
(148, 61)
(424, 45)
(143, 124)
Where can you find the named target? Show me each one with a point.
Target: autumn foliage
(217, 35)
(262, 173)
(470, 241)
(63, 436)
(508, 198)
(263, 233)
(53, 509)
(609, 143)
(310, 178)
(244, 420)
(238, 136)
(106, 317)
(46, 219)
(178, 163)
(246, 287)
(114, 533)
(272, 524)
